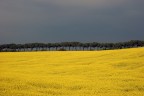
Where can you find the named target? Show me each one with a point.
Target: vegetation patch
(73, 73)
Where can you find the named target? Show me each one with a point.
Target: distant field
(71, 73)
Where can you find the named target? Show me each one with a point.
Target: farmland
(72, 73)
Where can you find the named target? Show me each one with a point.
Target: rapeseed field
(72, 73)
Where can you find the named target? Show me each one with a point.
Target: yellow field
(71, 73)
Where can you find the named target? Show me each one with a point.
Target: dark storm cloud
(71, 20)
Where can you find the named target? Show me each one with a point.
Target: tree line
(71, 46)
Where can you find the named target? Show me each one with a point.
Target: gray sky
(25, 21)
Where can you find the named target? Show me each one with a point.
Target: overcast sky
(25, 21)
